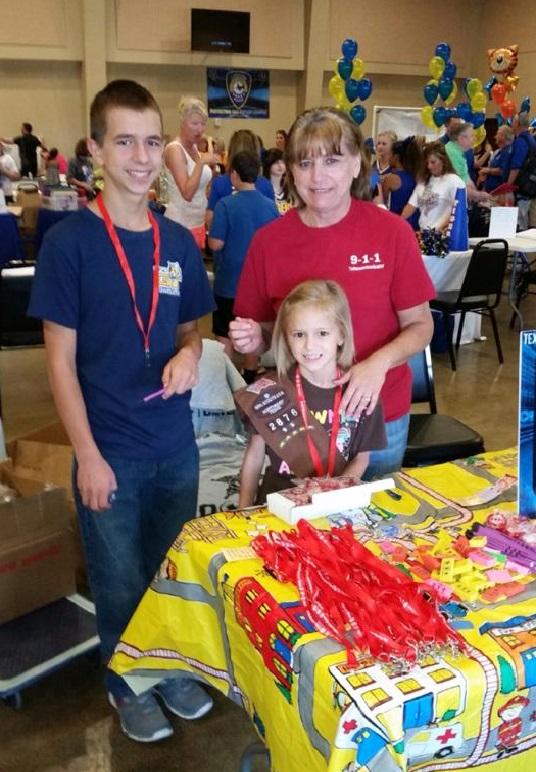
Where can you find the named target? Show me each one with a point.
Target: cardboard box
(36, 554)
(46, 455)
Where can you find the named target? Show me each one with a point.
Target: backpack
(526, 179)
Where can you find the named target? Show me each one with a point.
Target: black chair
(434, 438)
(480, 292)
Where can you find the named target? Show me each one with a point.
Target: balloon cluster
(443, 87)
(503, 83)
(348, 85)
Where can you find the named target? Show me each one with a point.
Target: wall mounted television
(220, 31)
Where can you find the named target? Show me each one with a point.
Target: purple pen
(153, 395)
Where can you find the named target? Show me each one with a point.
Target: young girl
(295, 418)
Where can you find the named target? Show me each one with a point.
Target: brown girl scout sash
(272, 407)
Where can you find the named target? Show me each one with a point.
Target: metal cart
(38, 643)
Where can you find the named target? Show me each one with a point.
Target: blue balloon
(489, 85)
(439, 115)
(464, 111)
(349, 49)
(449, 71)
(351, 88)
(443, 50)
(499, 119)
(430, 93)
(344, 68)
(364, 88)
(525, 105)
(478, 119)
(358, 114)
(444, 88)
(450, 113)
(533, 123)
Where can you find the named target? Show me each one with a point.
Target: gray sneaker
(184, 697)
(141, 718)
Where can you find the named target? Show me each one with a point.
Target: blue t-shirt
(221, 186)
(236, 219)
(499, 160)
(79, 284)
(399, 198)
(522, 144)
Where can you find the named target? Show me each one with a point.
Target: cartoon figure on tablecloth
(509, 731)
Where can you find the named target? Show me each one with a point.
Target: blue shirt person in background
(496, 172)
(523, 144)
(237, 217)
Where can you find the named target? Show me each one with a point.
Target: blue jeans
(383, 462)
(126, 544)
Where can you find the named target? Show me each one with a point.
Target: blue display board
(233, 93)
(527, 433)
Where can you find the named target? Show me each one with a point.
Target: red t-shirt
(371, 253)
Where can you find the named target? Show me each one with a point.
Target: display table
(447, 274)
(520, 247)
(215, 612)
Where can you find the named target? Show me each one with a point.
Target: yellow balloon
(433, 82)
(480, 136)
(358, 70)
(427, 117)
(452, 96)
(478, 101)
(474, 86)
(436, 65)
(336, 87)
(343, 103)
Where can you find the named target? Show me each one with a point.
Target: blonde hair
(324, 295)
(392, 135)
(324, 130)
(191, 104)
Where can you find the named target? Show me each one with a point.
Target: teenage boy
(119, 290)
(236, 220)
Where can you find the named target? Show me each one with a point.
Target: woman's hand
(246, 336)
(365, 381)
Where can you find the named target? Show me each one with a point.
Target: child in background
(236, 220)
(312, 344)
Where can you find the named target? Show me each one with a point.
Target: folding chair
(480, 291)
(435, 438)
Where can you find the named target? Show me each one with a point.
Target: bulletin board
(404, 121)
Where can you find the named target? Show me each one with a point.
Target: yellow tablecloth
(215, 611)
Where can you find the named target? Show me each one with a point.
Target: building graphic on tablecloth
(517, 638)
(272, 627)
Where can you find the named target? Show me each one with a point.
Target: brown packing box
(47, 456)
(36, 554)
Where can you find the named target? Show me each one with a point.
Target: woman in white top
(435, 194)
(188, 171)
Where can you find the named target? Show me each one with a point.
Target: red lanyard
(313, 450)
(125, 267)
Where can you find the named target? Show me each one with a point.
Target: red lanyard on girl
(127, 272)
(313, 450)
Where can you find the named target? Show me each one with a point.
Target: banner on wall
(233, 93)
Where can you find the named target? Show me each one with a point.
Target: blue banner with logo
(238, 93)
